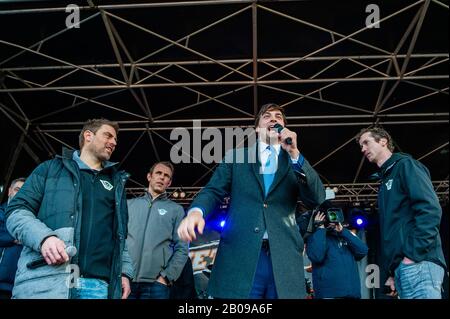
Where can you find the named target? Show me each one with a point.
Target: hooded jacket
(410, 213)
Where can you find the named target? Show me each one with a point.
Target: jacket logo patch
(162, 211)
(107, 185)
(389, 184)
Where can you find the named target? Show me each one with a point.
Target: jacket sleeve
(316, 246)
(425, 207)
(217, 188)
(312, 192)
(180, 251)
(127, 264)
(6, 240)
(358, 248)
(21, 212)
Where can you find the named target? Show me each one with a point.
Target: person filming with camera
(334, 251)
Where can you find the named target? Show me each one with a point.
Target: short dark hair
(270, 107)
(377, 133)
(20, 179)
(165, 163)
(94, 125)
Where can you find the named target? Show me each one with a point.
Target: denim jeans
(90, 288)
(422, 280)
(149, 290)
(264, 282)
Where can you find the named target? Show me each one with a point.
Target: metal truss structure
(355, 192)
(223, 87)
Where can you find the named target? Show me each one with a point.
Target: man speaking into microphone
(72, 209)
(260, 251)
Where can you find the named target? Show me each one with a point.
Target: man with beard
(410, 214)
(72, 209)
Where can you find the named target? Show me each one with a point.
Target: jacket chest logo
(162, 211)
(107, 185)
(389, 184)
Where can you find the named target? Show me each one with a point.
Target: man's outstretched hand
(186, 230)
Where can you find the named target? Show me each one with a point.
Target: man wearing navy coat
(260, 250)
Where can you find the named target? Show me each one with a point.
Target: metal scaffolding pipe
(154, 129)
(131, 6)
(225, 83)
(227, 61)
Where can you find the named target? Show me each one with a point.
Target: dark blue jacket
(50, 204)
(410, 214)
(333, 257)
(9, 254)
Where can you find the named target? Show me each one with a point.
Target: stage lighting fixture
(358, 218)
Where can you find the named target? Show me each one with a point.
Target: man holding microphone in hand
(260, 251)
(74, 205)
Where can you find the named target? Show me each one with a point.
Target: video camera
(306, 220)
(333, 215)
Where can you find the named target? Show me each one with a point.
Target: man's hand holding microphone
(54, 252)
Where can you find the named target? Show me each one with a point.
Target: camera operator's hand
(319, 219)
(337, 227)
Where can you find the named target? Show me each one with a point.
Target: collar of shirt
(161, 196)
(83, 165)
(263, 148)
(264, 152)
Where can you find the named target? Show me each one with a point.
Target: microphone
(70, 250)
(279, 128)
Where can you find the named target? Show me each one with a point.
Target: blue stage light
(358, 218)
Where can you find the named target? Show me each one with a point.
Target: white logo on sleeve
(389, 184)
(162, 211)
(107, 185)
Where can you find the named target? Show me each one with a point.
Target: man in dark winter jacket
(10, 248)
(410, 215)
(334, 251)
(71, 216)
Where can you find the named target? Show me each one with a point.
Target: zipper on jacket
(142, 240)
(3, 253)
(119, 179)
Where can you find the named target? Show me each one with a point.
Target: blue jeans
(264, 282)
(90, 288)
(422, 280)
(149, 290)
